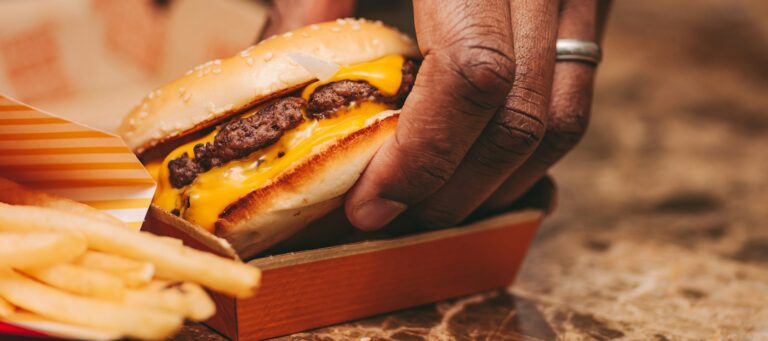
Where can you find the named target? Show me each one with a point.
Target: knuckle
(566, 130)
(518, 128)
(514, 133)
(487, 71)
(532, 89)
(519, 140)
(425, 172)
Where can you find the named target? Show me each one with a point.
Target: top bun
(220, 88)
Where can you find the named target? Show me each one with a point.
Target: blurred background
(661, 232)
(661, 227)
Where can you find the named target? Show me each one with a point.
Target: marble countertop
(661, 230)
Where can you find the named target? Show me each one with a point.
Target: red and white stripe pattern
(56, 155)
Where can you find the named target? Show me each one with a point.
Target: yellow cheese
(214, 190)
(384, 73)
(167, 197)
(153, 168)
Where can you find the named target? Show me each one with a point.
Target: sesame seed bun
(312, 185)
(216, 90)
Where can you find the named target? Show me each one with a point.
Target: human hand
(489, 113)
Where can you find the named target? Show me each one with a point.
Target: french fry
(69, 270)
(16, 194)
(65, 330)
(6, 308)
(134, 273)
(177, 263)
(185, 298)
(80, 280)
(38, 249)
(64, 307)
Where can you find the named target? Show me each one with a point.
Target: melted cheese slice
(206, 198)
(385, 74)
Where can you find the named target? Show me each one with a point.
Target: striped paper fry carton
(59, 156)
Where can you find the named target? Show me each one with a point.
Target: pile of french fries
(69, 269)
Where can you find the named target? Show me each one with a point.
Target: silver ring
(578, 50)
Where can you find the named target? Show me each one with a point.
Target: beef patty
(329, 98)
(242, 136)
(238, 138)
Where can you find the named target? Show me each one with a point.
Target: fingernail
(374, 214)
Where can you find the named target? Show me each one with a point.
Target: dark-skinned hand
(490, 113)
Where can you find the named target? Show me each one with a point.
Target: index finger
(466, 73)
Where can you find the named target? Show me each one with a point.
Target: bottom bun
(306, 192)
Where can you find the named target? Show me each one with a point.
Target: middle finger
(517, 127)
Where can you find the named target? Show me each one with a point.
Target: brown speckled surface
(662, 229)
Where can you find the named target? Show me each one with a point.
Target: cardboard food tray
(309, 289)
(300, 290)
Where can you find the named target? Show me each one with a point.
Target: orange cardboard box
(309, 289)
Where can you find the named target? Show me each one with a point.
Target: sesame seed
(217, 62)
(287, 34)
(341, 21)
(245, 53)
(143, 114)
(249, 61)
(378, 23)
(186, 97)
(182, 90)
(217, 71)
(189, 72)
(304, 34)
(375, 41)
(314, 27)
(211, 107)
(335, 29)
(355, 27)
(268, 56)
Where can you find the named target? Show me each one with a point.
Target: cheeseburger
(255, 147)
